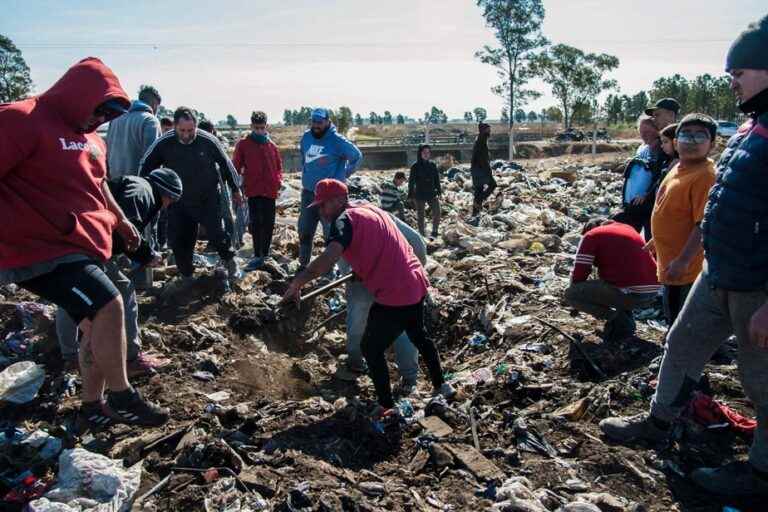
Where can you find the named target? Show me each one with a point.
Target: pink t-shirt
(380, 255)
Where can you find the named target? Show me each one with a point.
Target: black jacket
(141, 205)
(481, 158)
(198, 164)
(655, 166)
(424, 180)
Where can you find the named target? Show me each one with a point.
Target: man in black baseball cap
(664, 112)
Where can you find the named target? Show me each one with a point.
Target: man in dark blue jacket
(729, 297)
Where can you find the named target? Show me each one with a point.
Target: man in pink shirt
(383, 259)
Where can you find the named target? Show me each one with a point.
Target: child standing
(679, 210)
(258, 160)
(392, 195)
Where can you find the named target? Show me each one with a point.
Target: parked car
(727, 128)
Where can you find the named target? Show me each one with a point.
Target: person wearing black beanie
(730, 295)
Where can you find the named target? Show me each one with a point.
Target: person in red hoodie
(58, 219)
(626, 271)
(258, 160)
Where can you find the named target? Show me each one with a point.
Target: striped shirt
(391, 197)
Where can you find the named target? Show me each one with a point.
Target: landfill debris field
(262, 417)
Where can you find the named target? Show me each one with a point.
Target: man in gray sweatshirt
(129, 136)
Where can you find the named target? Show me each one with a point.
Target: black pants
(674, 298)
(385, 323)
(484, 187)
(80, 288)
(641, 222)
(262, 215)
(183, 221)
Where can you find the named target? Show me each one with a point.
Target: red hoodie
(261, 167)
(51, 202)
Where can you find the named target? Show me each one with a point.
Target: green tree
(358, 119)
(231, 121)
(344, 119)
(635, 106)
(400, 119)
(573, 75)
(387, 117)
(480, 114)
(532, 116)
(468, 116)
(437, 116)
(163, 111)
(554, 114)
(504, 115)
(675, 86)
(517, 27)
(614, 109)
(520, 116)
(374, 118)
(15, 82)
(287, 119)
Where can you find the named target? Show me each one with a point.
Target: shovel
(320, 291)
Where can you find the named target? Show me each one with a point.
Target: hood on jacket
(140, 106)
(84, 86)
(419, 150)
(331, 130)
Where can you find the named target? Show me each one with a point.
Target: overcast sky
(397, 55)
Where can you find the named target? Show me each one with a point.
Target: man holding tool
(381, 257)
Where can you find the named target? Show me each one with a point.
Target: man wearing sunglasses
(58, 219)
(730, 296)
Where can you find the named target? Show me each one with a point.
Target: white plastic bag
(90, 482)
(20, 382)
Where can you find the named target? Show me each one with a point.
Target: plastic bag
(90, 482)
(20, 382)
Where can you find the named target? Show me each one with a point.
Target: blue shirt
(331, 156)
(638, 183)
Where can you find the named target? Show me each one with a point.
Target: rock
(518, 505)
(372, 488)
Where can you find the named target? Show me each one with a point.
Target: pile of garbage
(261, 419)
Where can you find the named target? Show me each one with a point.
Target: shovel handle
(330, 286)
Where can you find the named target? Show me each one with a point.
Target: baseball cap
(666, 104)
(320, 114)
(328, 189)
(700, 120)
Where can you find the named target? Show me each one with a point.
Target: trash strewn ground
(261, 421)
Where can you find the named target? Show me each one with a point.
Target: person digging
(381, 257)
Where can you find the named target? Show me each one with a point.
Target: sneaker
(140, 366)
(352, 372)
(641, 427)
(446, 391)
(134, 410)
(737, 479)
(94, 416)
(254, 264)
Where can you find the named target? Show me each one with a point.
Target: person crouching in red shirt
(626, 276)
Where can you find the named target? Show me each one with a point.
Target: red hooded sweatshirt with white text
(51, 201)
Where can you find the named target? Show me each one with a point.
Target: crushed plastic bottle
(405, 407)
(478, 340)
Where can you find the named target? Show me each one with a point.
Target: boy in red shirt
(627, 276)
(258, 160)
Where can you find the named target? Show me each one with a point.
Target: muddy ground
(300, 437)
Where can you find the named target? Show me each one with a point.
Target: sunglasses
(693, 138)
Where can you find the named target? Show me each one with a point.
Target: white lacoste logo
(314, 152)
(71, 145)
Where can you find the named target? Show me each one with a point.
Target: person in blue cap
(325, 153)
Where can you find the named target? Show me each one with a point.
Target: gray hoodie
(128, 138)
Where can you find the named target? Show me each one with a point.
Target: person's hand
(650, 246)
(157, 260)
(638, 200)
(237, 197)
(676, 269)
(129, 234)
(293, 292)
(758, 327)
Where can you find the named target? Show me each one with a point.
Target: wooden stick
(578, 346)
(330, 286)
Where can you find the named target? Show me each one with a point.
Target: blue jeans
(359, 302)
(308, 220)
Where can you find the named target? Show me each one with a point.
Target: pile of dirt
(260, 419)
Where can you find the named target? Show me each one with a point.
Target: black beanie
(750, 49)
(166, 182)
